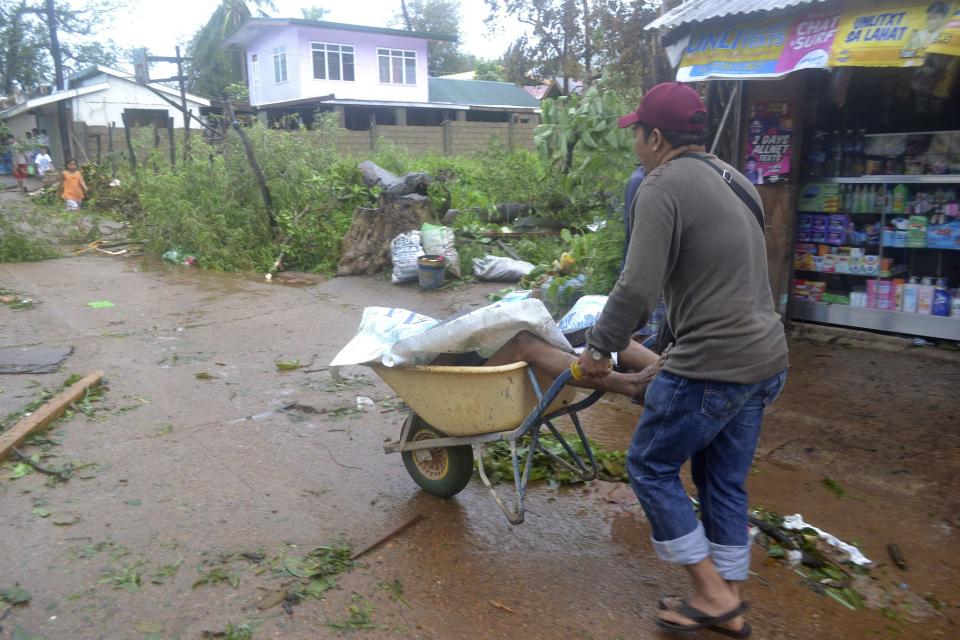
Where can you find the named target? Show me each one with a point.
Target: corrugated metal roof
(704, 10)
(480, 93)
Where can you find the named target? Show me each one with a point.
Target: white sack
(484, 331)
(404, 251)
(497, 268)
(438, 240)
(380, 328)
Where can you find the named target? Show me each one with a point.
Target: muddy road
(191, 490)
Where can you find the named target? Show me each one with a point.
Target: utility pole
(183, 103)
(62, 124)
(141, 70)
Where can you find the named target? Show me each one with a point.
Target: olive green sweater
(696, 241)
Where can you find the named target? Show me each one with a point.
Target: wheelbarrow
(455, 411)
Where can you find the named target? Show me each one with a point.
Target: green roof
(480, 93)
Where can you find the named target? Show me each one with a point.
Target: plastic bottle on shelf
(911, 292)
(900, 195)
(925, 297)
(941, 298)
(955, 305)
(879, 199)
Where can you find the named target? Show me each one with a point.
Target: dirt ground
(188, 470)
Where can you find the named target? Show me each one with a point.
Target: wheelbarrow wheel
(442, 472)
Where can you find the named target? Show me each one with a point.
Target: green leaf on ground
(20, 470)
(133, 502)
(288, 365)
(165, 571)
(19, 633)
(15, 595)
(217, 576)
(40, 511)
(203, 375)
(835, 487)
(149, 627)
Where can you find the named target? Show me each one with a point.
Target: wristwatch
(597, 354)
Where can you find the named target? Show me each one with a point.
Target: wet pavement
(183, 469)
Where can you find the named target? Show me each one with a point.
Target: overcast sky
(160, 26)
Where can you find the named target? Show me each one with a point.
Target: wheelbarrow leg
(514, 515)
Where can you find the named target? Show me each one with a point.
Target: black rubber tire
(449, 469)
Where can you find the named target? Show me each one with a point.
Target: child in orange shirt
(72, 186)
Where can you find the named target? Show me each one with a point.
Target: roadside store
(847, 117)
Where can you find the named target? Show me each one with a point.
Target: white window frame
(342, 49)
(403, 56)
(280, 64)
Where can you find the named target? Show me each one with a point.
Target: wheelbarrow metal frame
(531, 426)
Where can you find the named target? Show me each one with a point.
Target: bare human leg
(552, 361)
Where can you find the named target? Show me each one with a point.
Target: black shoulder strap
(737, 189)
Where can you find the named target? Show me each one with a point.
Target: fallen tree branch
(403, 526)
(50, 471)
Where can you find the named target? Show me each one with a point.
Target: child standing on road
(20, 166)
(44, 162)
(72, 186)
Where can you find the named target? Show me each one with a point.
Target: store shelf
(893, 321)
(834, 273)
(952, 179)
(887, 246)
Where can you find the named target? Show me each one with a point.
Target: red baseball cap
(669, 106)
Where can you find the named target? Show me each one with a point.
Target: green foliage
(16, 246)
(579, 138)
(498, 464)
(489, 70)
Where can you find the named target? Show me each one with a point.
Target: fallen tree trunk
(393, 186)
(365, 249)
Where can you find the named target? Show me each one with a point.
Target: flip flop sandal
(700, 619)
(742, 632)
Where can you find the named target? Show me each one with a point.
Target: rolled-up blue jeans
(716, 426)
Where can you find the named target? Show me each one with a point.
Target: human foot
(679, 614)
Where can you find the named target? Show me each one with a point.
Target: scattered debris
(403, 526)
(897, 556)
(46, 414)
(34, 360)
(501, 606)
(203, 375)
(358, 619)
(363, 402)
(15, 595)
(217, 575)
(100, 304)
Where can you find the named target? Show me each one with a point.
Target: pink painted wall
(301, 83)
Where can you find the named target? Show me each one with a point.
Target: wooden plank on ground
(50, 411)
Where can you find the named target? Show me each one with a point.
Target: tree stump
(365, 249)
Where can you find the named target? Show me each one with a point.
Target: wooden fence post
(173, 147)
(126, 133)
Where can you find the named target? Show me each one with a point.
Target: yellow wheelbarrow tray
(455, 411)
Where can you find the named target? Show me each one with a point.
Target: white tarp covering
(397, 336)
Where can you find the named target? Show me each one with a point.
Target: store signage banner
(769, 143)
(948, 39)
(888, 34)
(894, 34)
(762, 49)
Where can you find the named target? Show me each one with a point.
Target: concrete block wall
(414, 139)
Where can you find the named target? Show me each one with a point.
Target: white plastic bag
(583, 315)
(438, 240)
(484, 331)
(380, 328)
(497, 268)
(404, 251)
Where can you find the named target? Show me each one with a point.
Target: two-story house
(366, 74)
